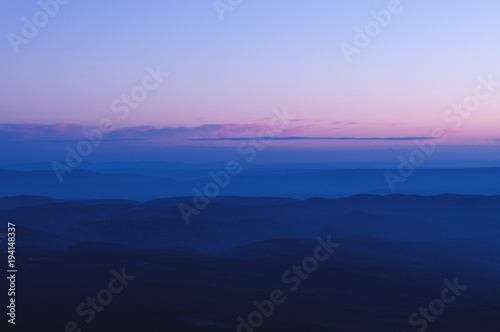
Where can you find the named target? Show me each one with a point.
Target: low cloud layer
(62, 132)
(292, 138)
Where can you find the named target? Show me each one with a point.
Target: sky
(205, 75)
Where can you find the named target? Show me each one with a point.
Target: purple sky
(418, 75)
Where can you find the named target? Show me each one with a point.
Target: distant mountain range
(149, 183)
(234, 221)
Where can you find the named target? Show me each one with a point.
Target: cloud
(298, 130)
(290, 138)
(345, 123)
(64, 132)
(68, 133)
(29, 131)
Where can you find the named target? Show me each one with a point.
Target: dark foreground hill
(390, 257)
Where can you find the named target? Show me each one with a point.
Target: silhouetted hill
(13, 202)
(395, 251)
(366, 285)
(232, 221)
